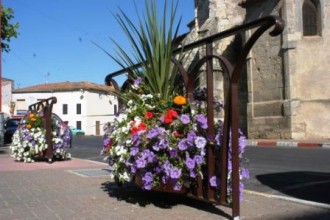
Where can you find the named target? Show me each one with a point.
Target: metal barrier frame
(231, 118)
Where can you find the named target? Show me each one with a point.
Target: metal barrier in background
(46, 107)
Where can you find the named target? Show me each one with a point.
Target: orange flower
(33, 119)
(180, 100)
(28, 126)
(31, 115)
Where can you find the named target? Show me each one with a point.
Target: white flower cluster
(27, 144)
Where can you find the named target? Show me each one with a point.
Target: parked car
(76, 131)
(10, 127)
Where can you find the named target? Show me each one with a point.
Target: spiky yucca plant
(152, 40)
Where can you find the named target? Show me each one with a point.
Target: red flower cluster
(170, 116)
(136, 128)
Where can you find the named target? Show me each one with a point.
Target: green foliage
(152, 41)
(8, 29)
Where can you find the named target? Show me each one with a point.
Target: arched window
(311, 18)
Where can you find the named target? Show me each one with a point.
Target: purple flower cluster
(157, 155)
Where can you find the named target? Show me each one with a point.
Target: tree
(8, 29)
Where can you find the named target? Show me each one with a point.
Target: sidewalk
(82, 189)
(289, 143)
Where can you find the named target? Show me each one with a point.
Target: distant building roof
(64, 86)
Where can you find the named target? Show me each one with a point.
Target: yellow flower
(180, 100)
(28, 126)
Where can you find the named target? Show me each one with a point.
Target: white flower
(120, 150)
(137, 120)
(130, 103)
(125, 176)
(145, 97)
(150, 107)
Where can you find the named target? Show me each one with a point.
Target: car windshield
(12, 123)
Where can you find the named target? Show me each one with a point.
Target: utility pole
(1, 113)
(0, 57)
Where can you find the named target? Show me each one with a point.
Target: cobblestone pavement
(81, 189)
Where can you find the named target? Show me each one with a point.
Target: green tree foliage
(8, 29)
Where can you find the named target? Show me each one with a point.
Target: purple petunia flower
(152, 133)
(158, 169)
(147, 177)
(145, 153)
(137, 81)
(202, 121)
(200, 142)
(190, 163)
(198, 159)
(175, 173)
(173, 153)
(191, 136)
(147, 186)
(163, 143)
(134, 151)
(193, 174)
(151, 157)
(166, 166)
(136, 139)
(185, 119)
(140, 163)
(177, 186)
(214, 181)
(182, 145)
(155, 147)
(245, 173)
(106, 141)
(133, 169)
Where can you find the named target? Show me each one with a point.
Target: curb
(288, 143)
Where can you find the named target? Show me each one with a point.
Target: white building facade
(83, 105)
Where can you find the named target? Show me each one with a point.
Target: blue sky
(55, 40)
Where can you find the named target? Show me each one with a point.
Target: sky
(57, 39)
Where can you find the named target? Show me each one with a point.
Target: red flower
(172, 113)
(176, 134)
(168, 119)
(134, 130)
(149, 115)
(142, 126)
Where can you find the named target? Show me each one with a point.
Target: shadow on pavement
(311, 186)
(134, 195)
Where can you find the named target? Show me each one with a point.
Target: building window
(78, 124)
(311, 18)
(115, 109)
(78, 109)
(65, 109)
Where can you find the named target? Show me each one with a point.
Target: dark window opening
(115, 109)
(78, 109)
(311, 18)
(65, 109)
(78, 124)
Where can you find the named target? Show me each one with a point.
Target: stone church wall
(284, 91)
